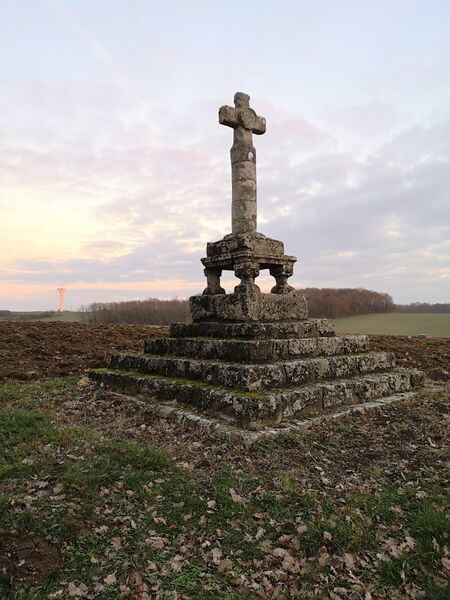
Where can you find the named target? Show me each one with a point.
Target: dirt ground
(395, 454)
(36, 349)
(431, 356)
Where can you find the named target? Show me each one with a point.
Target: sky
(115, 173)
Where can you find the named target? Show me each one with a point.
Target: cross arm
(244, 117)
(228, 116)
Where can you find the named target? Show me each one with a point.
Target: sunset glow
(115, 172)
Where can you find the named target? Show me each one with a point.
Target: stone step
(256, 351)
(288, 329)
(257, 410)
(256, 377)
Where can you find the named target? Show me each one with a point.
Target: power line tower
(61, 299)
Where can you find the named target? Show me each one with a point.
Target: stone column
(243, 177)
(247, 272)
(213, 275)
(281, 274)
(245, 122)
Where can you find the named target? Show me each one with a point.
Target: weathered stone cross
(244, 121)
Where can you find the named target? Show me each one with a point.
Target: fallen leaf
(41, 484)
(349, 560)
(224, 565)
(287, 558)
(101, 529)
(216, 554)
(77, 591)
(323, 557)
(110, 579)
(135, 579)
(235, 496)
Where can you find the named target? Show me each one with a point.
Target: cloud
(136, 202)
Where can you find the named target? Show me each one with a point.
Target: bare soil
(34, 350)
(38, 349)
(430, 355)
(28, 559)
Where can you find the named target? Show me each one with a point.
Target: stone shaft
(243, 185)
(245, 122)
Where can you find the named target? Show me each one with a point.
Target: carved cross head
(242, 115)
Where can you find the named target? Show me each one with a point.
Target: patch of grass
(436, 325)
(113, 506)
(34, 394)
(100, 480)
(27, 316)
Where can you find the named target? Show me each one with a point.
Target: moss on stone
(179, 381)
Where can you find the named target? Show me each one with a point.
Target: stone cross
(244, 121)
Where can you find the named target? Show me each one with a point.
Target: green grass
(396, 324)
(25, 316)
(67, 316)
(114, 506)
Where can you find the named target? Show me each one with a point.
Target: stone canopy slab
(247, 254)
(249, 244)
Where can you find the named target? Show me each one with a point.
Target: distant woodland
(346, 302)
(143, 312)
(423, 307)
(326, 302)
(323, 303)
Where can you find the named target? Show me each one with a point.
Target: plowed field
(36, 349)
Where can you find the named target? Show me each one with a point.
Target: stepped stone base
(257, 410)
(256, 351)
(281, 330)
(190, 418)
(256, 375)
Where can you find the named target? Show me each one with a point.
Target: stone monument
(251, 359)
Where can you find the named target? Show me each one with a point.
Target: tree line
(334, 303)
(323, 303)
(423, 307)
(151, 311)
